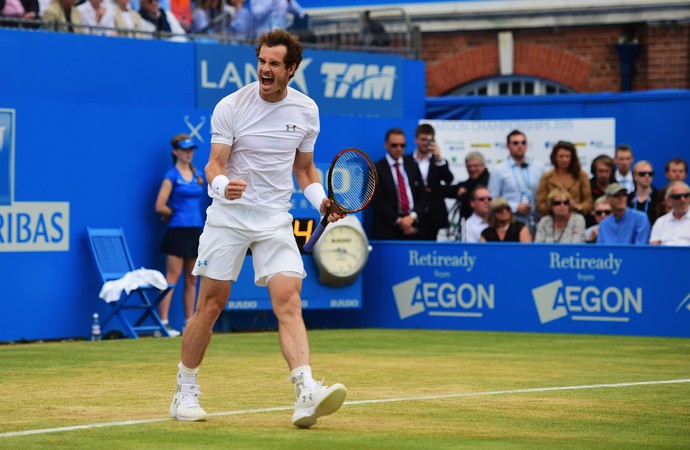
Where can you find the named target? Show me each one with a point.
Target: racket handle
(309, 246)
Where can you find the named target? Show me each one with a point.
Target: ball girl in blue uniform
(179, 204)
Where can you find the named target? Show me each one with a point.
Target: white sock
(186, 375)
(164, 322)
(301, 377)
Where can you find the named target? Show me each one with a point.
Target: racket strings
(353, 181)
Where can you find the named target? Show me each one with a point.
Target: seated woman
(602, 210)
(502, 225)
(561, 225)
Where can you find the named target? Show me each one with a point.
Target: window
(511, 85)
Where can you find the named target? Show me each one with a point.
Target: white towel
(112, 290)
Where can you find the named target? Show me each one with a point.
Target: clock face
(343, 251)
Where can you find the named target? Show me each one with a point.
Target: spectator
(182, 9)
(478, 175)
(13, 12)
(437, 177)
(567, 175)
(480, 200)
(125, 20)
(203, 16)
(372, 32)
(94, 14)
(602, 210)
(158, 21)
(602, 175)
(676, 170)
(397, 194)
(623, 157)
(645, 196)
(516, 180)
(179, 204)
(673, 228)
(502, 224)
(624, 226)
(561, 224)
(270, 15)
(61, 15)
(664, 204)
(208, 17)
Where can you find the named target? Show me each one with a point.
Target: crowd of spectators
(235, 20)
(521, 200)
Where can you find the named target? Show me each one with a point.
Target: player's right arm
(215, 172)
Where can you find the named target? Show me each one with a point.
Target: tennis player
(261, 134)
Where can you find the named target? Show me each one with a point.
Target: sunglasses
(679, 196)
(502, 209)
(602, 212)
(518, 142)
(646, 174)
(483, 199)
(394, 145)
(560, 202)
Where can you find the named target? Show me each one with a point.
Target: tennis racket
(351, 186)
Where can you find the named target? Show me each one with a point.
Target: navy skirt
(181, 241)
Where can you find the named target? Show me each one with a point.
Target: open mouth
(266, 81)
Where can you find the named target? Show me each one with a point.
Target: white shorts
(231, 229)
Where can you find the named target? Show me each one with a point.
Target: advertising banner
(34, 226)
(341, 83)
(531, 287)
(457, 138)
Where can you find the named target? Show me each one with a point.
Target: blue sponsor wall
(86, 121)
(598, 289)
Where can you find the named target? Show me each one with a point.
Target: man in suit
(437, 177)
(395, 210)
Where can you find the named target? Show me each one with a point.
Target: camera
(430, 139)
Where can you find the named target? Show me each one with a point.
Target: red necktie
(402, 191)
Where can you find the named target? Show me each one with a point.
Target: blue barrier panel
(529, 287)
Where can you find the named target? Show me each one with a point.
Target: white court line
(358, 402)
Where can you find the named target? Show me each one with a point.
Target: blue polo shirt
(632, 228)
(185, 200)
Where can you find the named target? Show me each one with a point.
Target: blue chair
(113, 260)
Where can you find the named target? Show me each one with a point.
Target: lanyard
(646, 204)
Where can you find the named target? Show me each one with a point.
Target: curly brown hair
(291, 43)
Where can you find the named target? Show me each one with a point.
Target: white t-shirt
(474, 225)
(671, 231)
(264, 137)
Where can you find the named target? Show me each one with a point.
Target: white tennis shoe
(317, 402)
(185, 405)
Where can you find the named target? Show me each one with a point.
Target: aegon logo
(685, 303)
(588, 303)
(442, 299)
(358, 81)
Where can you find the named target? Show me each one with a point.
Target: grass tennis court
(408, 389)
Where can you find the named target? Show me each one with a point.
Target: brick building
(542, 46)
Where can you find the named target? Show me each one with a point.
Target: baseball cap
(187, 144)
(615, 188)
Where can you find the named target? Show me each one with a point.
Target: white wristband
(315, 194)
(219, 183)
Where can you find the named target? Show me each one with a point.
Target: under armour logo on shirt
(290, 127)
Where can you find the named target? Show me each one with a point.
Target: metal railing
(387, 30)
(353, 31)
